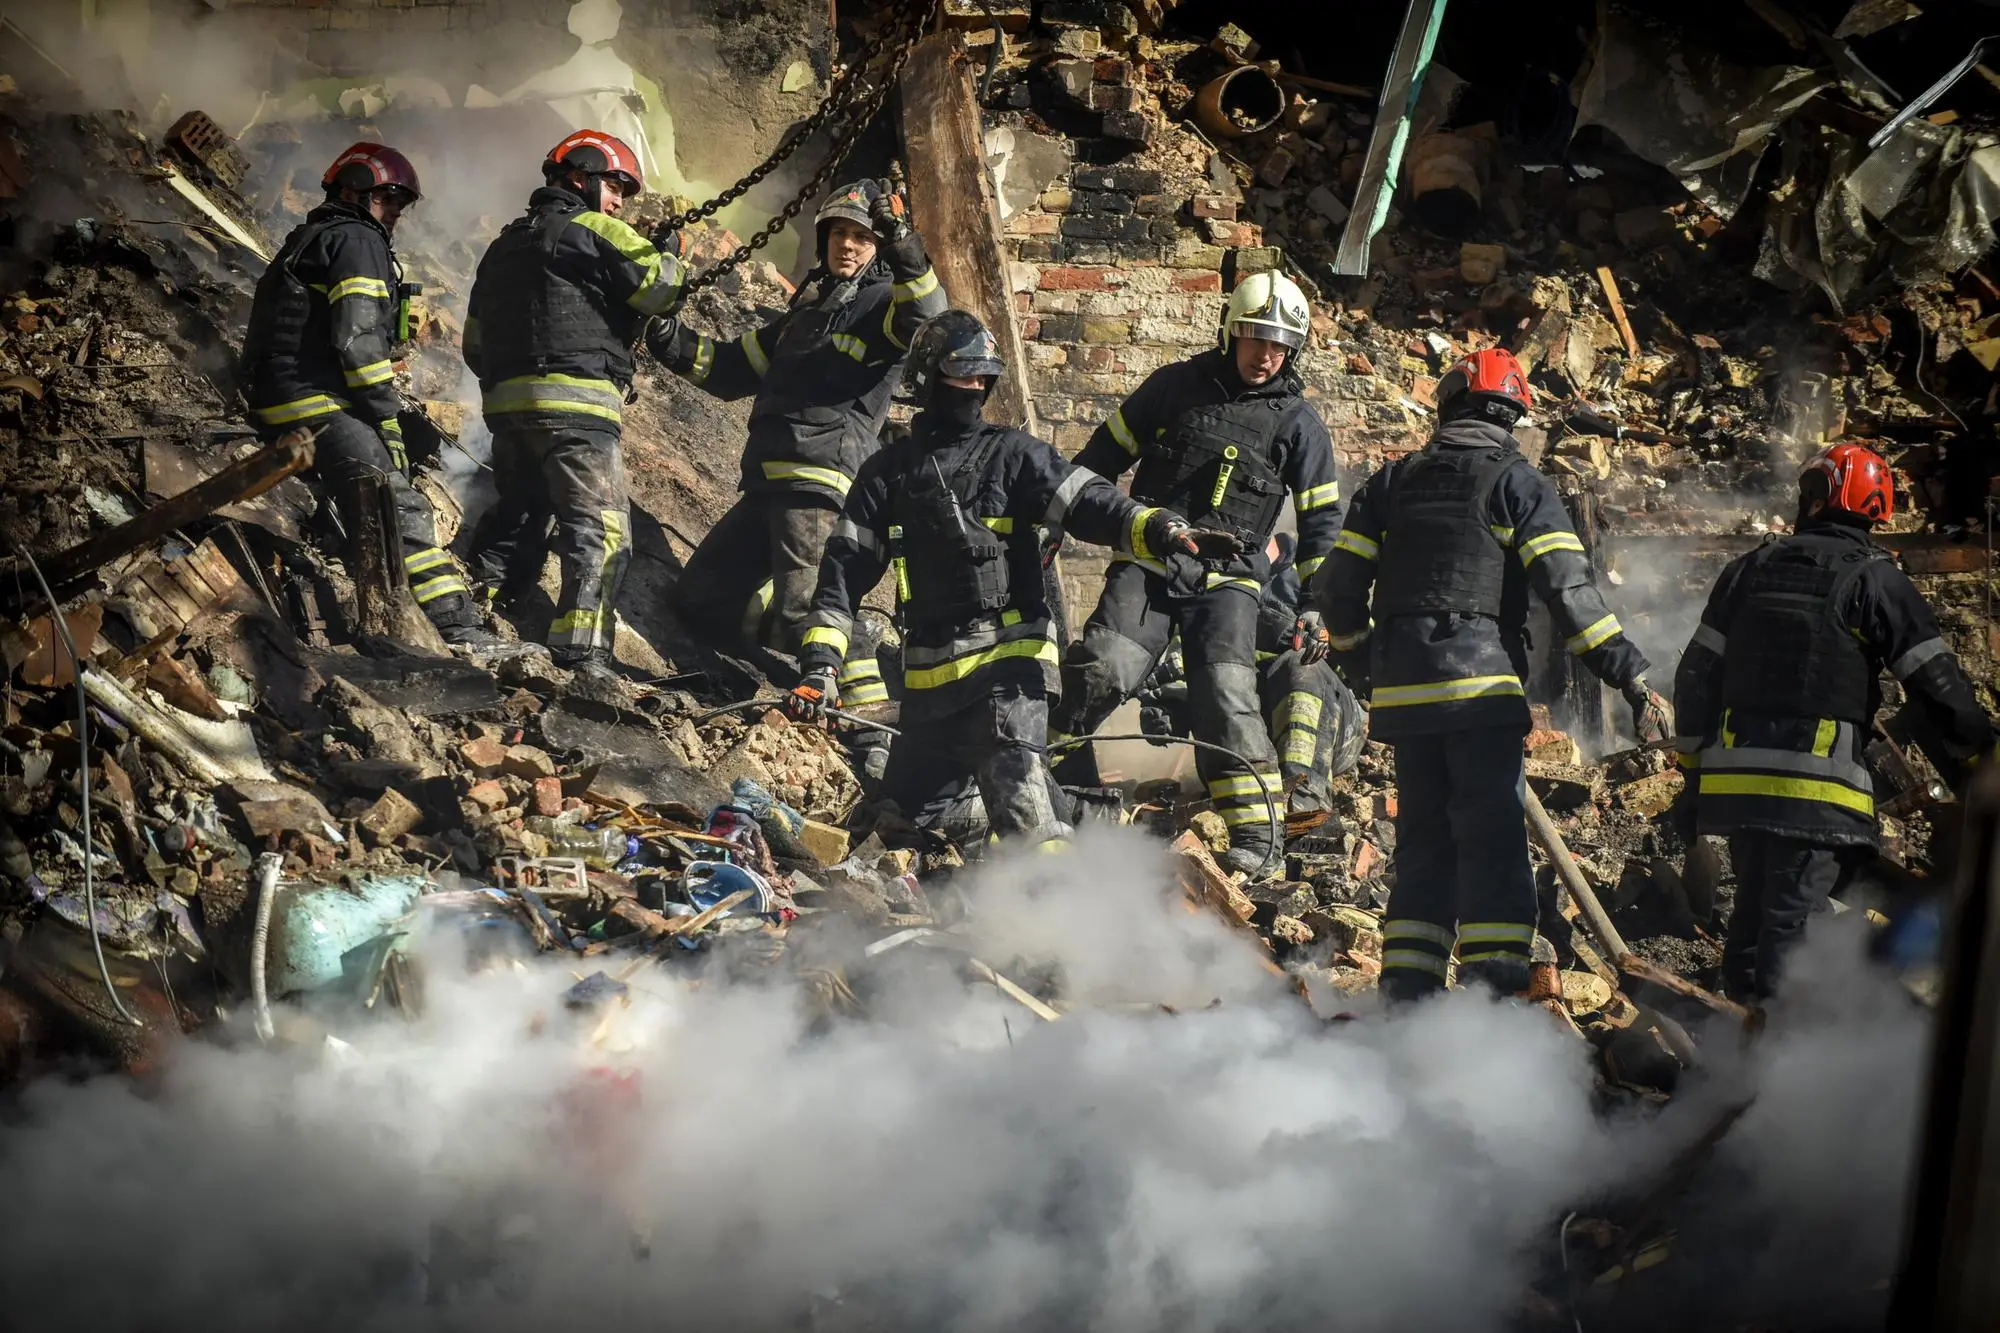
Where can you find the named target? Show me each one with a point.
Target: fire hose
(1270, 795)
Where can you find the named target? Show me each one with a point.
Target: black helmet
(851, 202)
(954, 343)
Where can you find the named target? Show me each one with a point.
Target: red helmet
(1856, 479)
(370, 166)
(1493, 378)
(595, 153)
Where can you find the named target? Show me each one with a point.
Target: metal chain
(853, 101)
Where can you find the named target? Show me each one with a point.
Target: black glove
(672, 243)
(1216, 544)
(889, 214)
(672, 343)
(1155, 722)
(1310, 638)
(1652, 715)
(1353, 666)
(811, 697)
(1166, 533)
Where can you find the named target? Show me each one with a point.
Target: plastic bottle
(598, 848)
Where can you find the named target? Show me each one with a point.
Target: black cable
(77, 668)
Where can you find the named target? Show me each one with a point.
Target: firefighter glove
(390, 431)
(1166, 533)
(889, 214)
(1310, 638)
(1652, 715)
(811, 697)
(673, 344)
(672, 243)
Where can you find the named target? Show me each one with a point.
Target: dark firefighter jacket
(1441, 671)
(822, 372)
(323, 322)
(1797, 770)
(559, 302)
(1145, 430)
(1023, 484)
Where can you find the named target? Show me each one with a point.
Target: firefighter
(558, 304)
(1779, 686)
(1220, 437)
(822, 374)
(1315, 723)
(326, 315)
(954, 510)
(1450, 540)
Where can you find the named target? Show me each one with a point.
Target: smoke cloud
(948, 1162)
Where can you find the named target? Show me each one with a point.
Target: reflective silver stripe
(1073, 486)
(857, 534)
(1414, 960)
(1725, 758)
(1707, 636)
(1906, 665)
(1406, 929)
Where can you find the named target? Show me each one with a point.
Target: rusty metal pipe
(1248, 90)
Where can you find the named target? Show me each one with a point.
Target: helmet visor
(623, 182)
(1268, 329)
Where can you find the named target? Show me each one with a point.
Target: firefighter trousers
(574, 477)
(1780, 882)
(754, 575)
(999, 740)
(1121, 643)
(1462, 871)
(348, 449)
(1315, 725)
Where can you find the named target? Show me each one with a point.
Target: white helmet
(1269, 305)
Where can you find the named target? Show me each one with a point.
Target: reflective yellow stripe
(1308, 567)
(833, 638)
(1504, 535)
(375, 372)
(1446, 691)
(614, 542)
(754, 350)
(916, 289)
(1535, 549)
(662, 274)
(704, 359)
(1122, 433)
(1349, 642)
(1299, 713)
(960, 667)
(863, 692)
(390, 426)
(853, 346)
(858, 669)
(1588, 638)
(340, 291)
(573, 621)
(1414, 960)
(1688, 760)
(1235, 815)
(1495, 932)
(1243, 785)
(299, 409)
(425, 560)
(1355, 544)
(1000, 525)
(1406, 929)
(1137, 541)
(1797, 789)
(555, 393)
(1318, 497)
(832, 478)
(441, 586)
(1823, 737)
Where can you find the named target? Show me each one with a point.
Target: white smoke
(948, 1163)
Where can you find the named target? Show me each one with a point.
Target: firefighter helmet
(954, 343)
(366, 167)
(850, 203)
(1271, 306)
(595, 153)
(1852, 479)
(1494, 383)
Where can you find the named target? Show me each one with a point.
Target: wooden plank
(1617, 304)
(952, 205)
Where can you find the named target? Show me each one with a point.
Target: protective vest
(1790, 652)
(1216, 468)
(1439, 552)
(538, 320)
(951, 567)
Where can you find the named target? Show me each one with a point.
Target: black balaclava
(951, 407)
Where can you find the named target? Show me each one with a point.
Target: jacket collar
(340, 210)
(557, 196)
(1474, 433)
